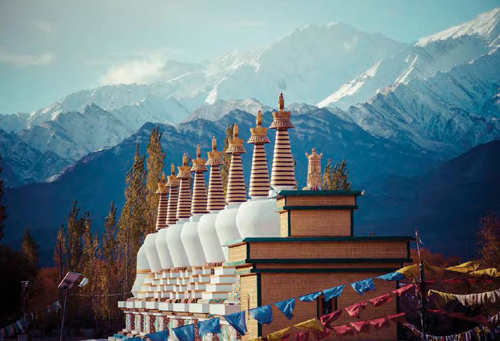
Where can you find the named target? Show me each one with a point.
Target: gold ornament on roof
(314, 170)
(198, 163)
(258, 133)
(235, 144)
(184, 170)
(162, 185)
(214, 157)
(281, 118)
(172, 180)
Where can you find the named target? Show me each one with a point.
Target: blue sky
(50, 48)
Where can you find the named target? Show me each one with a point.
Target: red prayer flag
(361, 326)
(301, 336)
(396, 317)
(318, 336)
(343, 330)
(355, 309)
(326, 320)
(286, 337)
(379, 323)
(404, 289)
(379, 300)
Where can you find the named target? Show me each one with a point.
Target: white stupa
(225, 223)
(189, 235)
(212, 247)
(258, 217)
(142, 271)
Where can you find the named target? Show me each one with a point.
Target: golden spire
(281, 118)
(235, 144)
(214, 157)
(314, 170)
(198, 163)
(172, 180)
(258, 134)
(184, 170)
(162, 185)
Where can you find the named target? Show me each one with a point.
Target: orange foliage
(434, 259)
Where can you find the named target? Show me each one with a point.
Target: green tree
(336, 177)
(226, 158)
(489, 241)
(30, 247)
(154, 166)
(131, 225)
(3, 215)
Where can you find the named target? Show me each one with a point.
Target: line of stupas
(194, 229)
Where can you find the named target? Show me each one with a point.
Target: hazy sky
(50, 48)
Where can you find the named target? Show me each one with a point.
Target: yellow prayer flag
(311, 324)
(277, 335)
(409, 271)
(491, 272)
(465, 267)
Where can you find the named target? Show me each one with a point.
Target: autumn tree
(109, 274)
(3, 215)
(59, 254)
(336, 177)
(226, 158)
(131, 225)
(154, 166)
(489, 241)
(75, 229)
(30, 247)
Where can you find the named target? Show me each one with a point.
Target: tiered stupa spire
(216, 201)
(161, 215)
(199, 203)
(173, 185)
(283, 173)
(184, 204)
(236, 184)
(259, 177)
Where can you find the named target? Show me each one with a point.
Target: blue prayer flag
(286, 307)
(363, 286)
(135, 339)
(310, 297)
(185, 333)
(263, 315)
(237, 321)
(392, 276)
(209, 326)
(333, 292)
(158, 336)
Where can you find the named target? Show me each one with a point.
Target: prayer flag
(302, 336)
(329, 318)
(361, 326)
(363, 286)
(379, 300)
(333, 292)
(310, 297)
(311, 324)
(237, 321)
(278, 335)
(286, 307)
(159, 336)
(185, 333)
(392, 276)
(355, 309)
(263, 315)
(209, 326)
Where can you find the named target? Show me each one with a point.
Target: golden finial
(281, 102)
(172, 180)
(184, 160)
(162, 185)
(258, 121)
(235, 144)
(214, 144)
(163, 177)
(258, 134)
(184, 170)
(198, 163)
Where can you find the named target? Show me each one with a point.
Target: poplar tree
(75, 229)
(109, 255)
(226, 158)
(336, 177)
(59, 255)
(131, 225)
(154, 165)
(30, 247)
(3, 215)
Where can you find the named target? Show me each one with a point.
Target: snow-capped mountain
(451, 111)
(14, 122)
(436, 53)
(23, 164)
(213, 112)
(72, 135)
